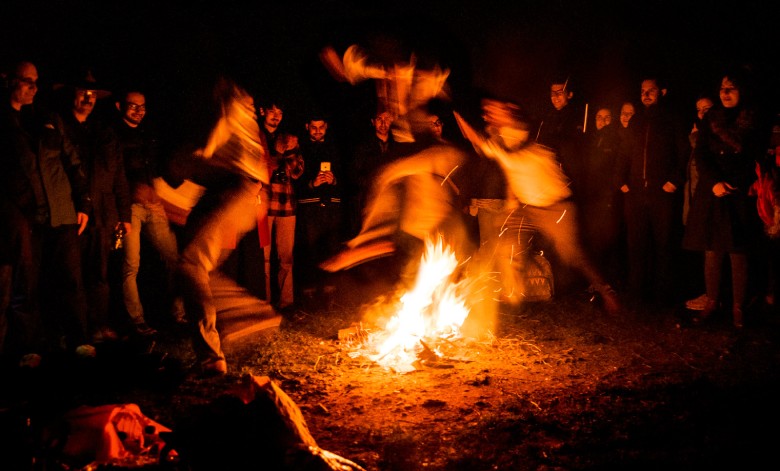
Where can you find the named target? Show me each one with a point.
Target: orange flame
(434, 308)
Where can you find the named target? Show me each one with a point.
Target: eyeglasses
(557, 93)
(136, 107)
(436, 123)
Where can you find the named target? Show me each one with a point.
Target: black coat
(728, 146)
(101, 154)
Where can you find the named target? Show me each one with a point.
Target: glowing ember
(433, 309)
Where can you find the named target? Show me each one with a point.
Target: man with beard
(101, 154)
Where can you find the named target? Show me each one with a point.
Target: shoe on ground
(705, 314)
(30, 360)
(104, 334)
(144, 329)
(86, 351)
(214, 368)
(697, 304)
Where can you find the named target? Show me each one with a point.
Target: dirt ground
(557, 385)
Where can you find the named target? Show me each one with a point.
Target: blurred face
(703, 105)
(729, 93)
(273, 116)
(134, 108)
(603, 118)
(382, 123)
(317, 130)
(559, 96)
(436, 125)
(650, 92)
(24, 85)
(626, 112)
(84, 101)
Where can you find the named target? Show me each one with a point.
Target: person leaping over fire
(235, 175)
(538, 189)
(402, 86)
(412, 198)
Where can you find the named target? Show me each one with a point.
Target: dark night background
(507, 48)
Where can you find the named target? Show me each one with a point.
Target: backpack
(538, 280)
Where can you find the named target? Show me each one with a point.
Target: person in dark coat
(44, 187)
(723, 218)
(655, 146)
(599, 194)
(100, 151)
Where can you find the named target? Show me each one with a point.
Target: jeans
(149, 219)
(282, 230)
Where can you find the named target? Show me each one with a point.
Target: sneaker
(697, 304)
(142, 328)
(104, 334)
(86, 351)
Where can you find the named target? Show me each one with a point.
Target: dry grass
(556, 385)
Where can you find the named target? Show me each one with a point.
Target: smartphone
(324, 166)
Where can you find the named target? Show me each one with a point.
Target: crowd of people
(630, 208)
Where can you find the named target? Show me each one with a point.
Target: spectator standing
(43, 180)
(101, 154)
(627, 111)
(703, 105)
(370, 154)
(723, 218)
(286, 167)
(562, 130)
(655, 149)
(141, 157)
(600, 198)
(320, 227)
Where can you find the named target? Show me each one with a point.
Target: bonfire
(431, 312)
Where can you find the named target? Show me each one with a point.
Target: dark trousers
(650, 225)
(318, 235)
(51, 280)
(96, 249)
